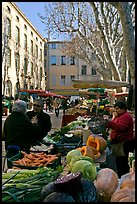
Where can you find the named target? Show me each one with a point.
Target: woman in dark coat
(18, 129)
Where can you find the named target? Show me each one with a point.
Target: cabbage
(87, 169)
(77, 158)
(72, 153)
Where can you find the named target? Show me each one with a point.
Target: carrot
(51, 160)
(23, 160)
(19, 162)
(24, 153)
(40, 165)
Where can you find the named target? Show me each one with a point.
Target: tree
(101, 33)
(94, 28)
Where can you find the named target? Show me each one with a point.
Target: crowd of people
(25, 128)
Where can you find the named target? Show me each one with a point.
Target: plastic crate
(66, 147)
(52, 165)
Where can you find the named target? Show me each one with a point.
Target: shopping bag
(118, 150)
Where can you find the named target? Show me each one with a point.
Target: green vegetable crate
(66, 147)
(18, 156)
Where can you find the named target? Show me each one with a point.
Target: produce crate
(66, 147)
(18, 156)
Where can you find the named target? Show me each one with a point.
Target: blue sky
(30, 10)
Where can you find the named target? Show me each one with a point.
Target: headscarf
(20, 106)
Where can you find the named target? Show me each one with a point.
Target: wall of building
(54, 72)
(18, 19)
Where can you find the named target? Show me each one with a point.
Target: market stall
(70, 165)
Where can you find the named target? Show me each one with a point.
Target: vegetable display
(59, 197)
(28, 187)
(35, 159)
(77, 158)
(97, 142)
(82, 190)
(89, 151)
(87, 169)
(88, 192)
(106, 183)
(123, 195)
(69, 183)
(72, 153)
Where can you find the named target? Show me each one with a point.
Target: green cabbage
(77, 158)
(72, 153)
(87, 169)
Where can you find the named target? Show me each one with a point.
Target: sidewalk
(56, 121)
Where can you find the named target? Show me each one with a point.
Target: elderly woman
(18, 130)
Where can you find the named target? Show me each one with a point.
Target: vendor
(42, 119)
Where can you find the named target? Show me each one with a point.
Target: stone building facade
(62, 69)
(22, 52)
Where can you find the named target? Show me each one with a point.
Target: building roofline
(26, 19)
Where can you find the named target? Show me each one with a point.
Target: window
(31, 69)
(17, 35)
(72, 60)
(17, 18)
(40, 54)
(63, 60)
(25, 41)
(31, 47)
(53, 60)
(31, 33)
(8, 28)
(93, 72)
(45, 52)
(72, 77)
(63, 80)
(53, 80)
(8, 57)
(36, 38)
(25, 27)
(53, 46)
(17, 62)
(25, 66)
(45, 63)
(36, 72)
(8, 9)
(36, 51)
(41, 43)
(83, 70)
(40, 73)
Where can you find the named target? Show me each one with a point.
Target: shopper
(64, 105)
(38, 116)
(56, 105)
(122, 131)
(18, 130)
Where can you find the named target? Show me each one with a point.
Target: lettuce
(78, 158)
(87, 169)
(70, 154)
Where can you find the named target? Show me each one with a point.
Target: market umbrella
(33, 91)
(98, 84)
(47, 94)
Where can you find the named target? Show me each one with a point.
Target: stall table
(67, 119)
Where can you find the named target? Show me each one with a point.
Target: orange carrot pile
(35, 159)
